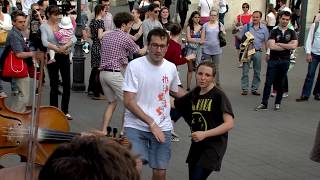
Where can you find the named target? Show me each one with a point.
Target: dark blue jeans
(316, 89)
(276, 73)
(221, 17)
(308, 82)
(198, 173)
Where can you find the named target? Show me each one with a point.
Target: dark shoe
(255, 93)
(317, 97)
(261, 107)
(302, 99)
(244, 93)
(277, 107)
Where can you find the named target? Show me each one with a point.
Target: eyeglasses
(156, 11)
(156, 46)
(245, 7)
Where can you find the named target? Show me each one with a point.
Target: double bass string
(44, 134)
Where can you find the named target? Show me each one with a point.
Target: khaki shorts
(111, 83)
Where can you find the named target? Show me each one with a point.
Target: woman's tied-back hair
(98, 9)
(90, 158)
(208, 64)
(52, 10)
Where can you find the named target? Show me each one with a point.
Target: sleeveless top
(139, 41)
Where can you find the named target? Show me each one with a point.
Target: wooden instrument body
(14, 131)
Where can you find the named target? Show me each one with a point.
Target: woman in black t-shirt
(208, 112)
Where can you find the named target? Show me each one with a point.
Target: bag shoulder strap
(208, 5)
(314, 31)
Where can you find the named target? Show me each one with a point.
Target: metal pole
(78, 57)
(303, 22)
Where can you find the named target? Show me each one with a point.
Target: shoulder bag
(14, 67)
(222, 37)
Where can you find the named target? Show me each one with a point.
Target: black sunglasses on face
(245, 7)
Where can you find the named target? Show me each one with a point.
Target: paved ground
(262, 146)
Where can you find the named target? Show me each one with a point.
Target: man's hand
(309, 58)
(158, 134)
(198, 136)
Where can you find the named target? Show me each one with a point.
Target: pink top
(63, 36)
(245, 19)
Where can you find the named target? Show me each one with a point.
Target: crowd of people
(134, 59)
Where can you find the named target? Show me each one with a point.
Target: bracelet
(154, 122)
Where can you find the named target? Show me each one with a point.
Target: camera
(34, 12)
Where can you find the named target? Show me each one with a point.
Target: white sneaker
(285, 95)
(3, 94)
(68, 116)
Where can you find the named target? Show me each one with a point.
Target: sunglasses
(156, 11)
(245, 7)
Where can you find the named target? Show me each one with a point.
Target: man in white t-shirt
(147, 84)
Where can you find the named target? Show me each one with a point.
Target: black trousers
(183, 17)
(94, 82)
(62, 64)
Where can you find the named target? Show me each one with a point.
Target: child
(63, 36)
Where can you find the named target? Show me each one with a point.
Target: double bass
(35, 134)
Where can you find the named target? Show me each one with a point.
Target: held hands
(156, 131)
(198, 136)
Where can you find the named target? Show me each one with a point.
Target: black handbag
(222, 37)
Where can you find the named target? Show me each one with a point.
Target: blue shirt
(261, 34)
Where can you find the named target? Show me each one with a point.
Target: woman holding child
(61, 60)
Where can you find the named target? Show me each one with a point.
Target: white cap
(65, 23)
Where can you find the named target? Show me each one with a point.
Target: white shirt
(27, 5)
(151, 84)
(223, 6)
(271, 19)
(205, 6)
(315, 47)
(6, 24)
(108, 22)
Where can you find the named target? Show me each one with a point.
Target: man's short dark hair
(284, 13)
(283, 1)
(259, 12)
(208, 64)
(152, 6)
(100, 2)
(122, 18)
(175, 29)
(15, 14)
(90, 158)
(158, 32)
